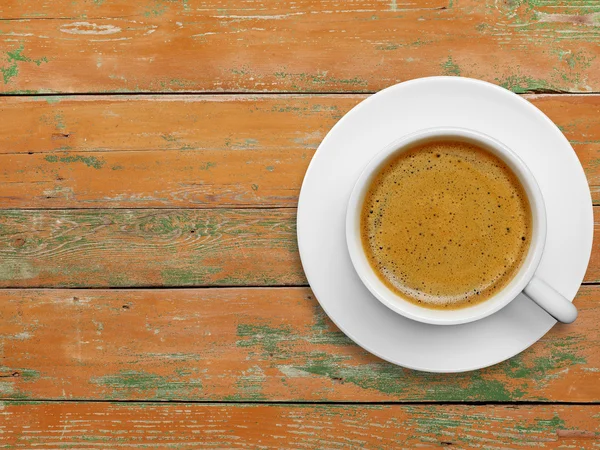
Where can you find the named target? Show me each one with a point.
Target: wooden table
(151, 155)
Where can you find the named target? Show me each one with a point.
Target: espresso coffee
(446, 224)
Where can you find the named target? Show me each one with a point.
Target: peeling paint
(13, 58)
(262, 335)
(522, 84)
(89, 29)
(129, 382)
(90, 161)
(449, 67)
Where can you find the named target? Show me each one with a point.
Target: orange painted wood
(593, 271)
(308, 45)
(105, 425)
(160, 151)
(235, 164)
(188, 247)
(249, 344)
(195, 151)
(141, 247)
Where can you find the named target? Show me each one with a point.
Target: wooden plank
(85, 9)
(140, 247)
(149, 248)
(195, 151)
(105, 425)
(248, 344)
(306, 45)
(155, 152)
(176, 122)
(593, 272)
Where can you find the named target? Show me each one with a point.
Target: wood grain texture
(235, 163)
(149, 248)
(160, 151)
(249, 344)
(196, 151)
(105, 425)
(308, 45)
(143, 248)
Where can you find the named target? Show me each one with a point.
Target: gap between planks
(302, 403)
(533, 92)
(188, 287)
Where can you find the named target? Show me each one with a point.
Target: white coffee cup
(524, 281)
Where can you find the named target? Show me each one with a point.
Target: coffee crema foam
(446, 225)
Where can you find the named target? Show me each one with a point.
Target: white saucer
(409, 107)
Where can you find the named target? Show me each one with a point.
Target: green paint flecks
(553, 424)
(299, 81)
(23, 91)
(580, 7)
(9, 72)
(542, 425)
(134, 381)
(522, 84)
(156, 9)
(577, 62)
(250, 384)
(207, 166)
(433, 423)
(129, 379)
(174, 83)
(17, 270)
(381, 377)
(563, 355)
(52, 100)
(477, 389)
(449, 67)
(186, 277)
(393, 5)
(570, 73)
(263, 336)
(29, 374)
(13, 58)
(322, 78)
(324, 331)
(17, 55)
(38, 62)
(90, 161)
(59, 120)
(8, 388)
(388, 47)
(395, 46)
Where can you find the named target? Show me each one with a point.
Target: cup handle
(548, 299)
